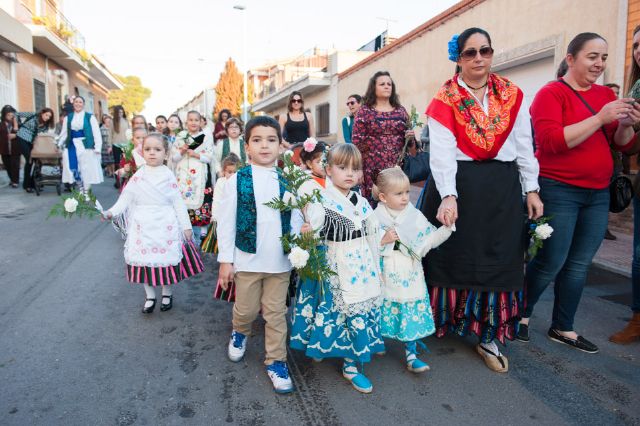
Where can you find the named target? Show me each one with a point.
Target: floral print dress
(380, 138)
(325, 323)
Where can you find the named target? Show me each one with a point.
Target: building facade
(315, 75)
(57, 64)
(530, 39)
(204, 102)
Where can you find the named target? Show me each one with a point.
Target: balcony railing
(313, 60)
(50, 16)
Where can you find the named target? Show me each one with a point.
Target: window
(39, 95)
(322, 120)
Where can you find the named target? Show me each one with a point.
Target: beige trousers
(255, 290)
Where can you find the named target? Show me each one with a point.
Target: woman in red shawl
(482, 162)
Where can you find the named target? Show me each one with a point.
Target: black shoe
(523, 333)
(580, 343)
(609, 236)
(29, 190)
(166, 306)
(150, 309)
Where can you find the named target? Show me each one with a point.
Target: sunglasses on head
(485, 52)
(296, 101)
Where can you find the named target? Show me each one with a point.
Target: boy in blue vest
(250, 251)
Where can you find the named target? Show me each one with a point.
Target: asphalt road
(75, 350)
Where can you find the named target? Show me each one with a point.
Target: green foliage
(87, 206)
(536, 242)
(132, 96)
(292, 179)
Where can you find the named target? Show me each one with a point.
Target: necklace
(478, 88)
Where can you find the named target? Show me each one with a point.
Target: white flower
(421, 307)
(70, 205)
(307, 312)
(319, 320)
(298, 257)
(544, 231)
(288, 153)
(128, 134)
(394, 310)
(358, 323)
(327, 331)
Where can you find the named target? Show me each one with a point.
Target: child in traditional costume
(406, 311)
(232, 144)
(128, 166)
(158, 250)
(346, 322)
(192, 155)
(251, 253)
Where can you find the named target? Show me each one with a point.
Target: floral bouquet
(539, 230)
(304, 252)
(77, 204)
(413, 121)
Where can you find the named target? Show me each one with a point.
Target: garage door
(531, 76)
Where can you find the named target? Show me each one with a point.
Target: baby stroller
(46, 163)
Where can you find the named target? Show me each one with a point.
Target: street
(76, 350)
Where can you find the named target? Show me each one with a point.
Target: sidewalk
(616, 255)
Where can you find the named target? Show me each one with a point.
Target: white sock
(166, 292)
(151, 294)
(491, 346)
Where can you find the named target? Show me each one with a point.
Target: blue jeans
(635, 264)
(579, 219)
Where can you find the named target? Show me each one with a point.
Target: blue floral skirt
(407, 321)
(320, 330)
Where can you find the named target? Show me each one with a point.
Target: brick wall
(28, 68)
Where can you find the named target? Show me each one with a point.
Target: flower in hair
(310, 144)
(454, 50)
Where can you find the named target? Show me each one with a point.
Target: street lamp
(242, 8)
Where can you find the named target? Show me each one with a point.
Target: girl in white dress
(159, 248)
(406, 311)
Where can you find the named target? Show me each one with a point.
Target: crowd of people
(454, 265)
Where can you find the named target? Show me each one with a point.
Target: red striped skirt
(190, 265)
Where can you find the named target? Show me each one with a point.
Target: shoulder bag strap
(587, 105)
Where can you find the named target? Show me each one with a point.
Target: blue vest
(86, 131)
(246, 213)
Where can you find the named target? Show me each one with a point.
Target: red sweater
(588, 165)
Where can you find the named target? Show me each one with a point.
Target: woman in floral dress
(379, 129)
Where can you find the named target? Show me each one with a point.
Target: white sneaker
(237, 346)
(279, 374)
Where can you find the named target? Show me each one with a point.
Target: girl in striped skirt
(158, 250)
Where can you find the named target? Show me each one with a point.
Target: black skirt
(486, 253)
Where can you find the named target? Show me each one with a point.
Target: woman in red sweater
(575, 121)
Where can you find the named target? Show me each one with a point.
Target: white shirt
(518, 146)
(234, 146)
(78, 124)
(269, 256)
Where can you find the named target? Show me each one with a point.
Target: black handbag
(416, 167)
(620, 188)
(620, 194)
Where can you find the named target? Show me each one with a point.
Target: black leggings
(25, 149)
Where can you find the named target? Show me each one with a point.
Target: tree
(229, 89)
(132, 96)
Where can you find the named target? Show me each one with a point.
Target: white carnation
(70, 205)
(128, 134)
(298, 257)
(544, 231)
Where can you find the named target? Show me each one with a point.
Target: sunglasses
(469, 54)
(296, 101)
(351, 103)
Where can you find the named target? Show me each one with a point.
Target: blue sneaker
(414, 364)
(237, 346)
(358, 380)
(279, 374)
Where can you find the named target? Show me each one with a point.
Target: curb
(611, 267)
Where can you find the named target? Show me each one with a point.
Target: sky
(178, 48)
